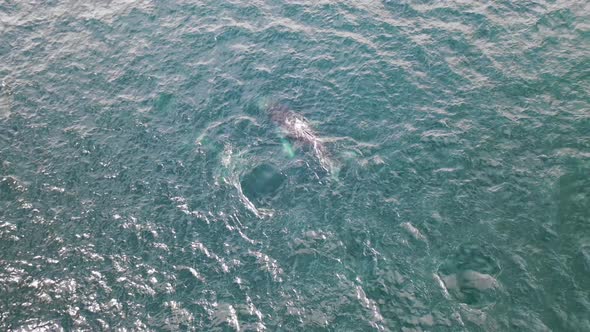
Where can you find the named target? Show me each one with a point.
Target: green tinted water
(143, 185)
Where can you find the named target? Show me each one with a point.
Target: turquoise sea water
(144, 186)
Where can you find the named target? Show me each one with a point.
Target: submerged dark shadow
(262, 183)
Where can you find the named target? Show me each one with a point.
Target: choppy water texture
(144, 186)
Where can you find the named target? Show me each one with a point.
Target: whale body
(296, 127)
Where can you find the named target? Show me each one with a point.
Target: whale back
(279, 113)
(298, 128)
(293, 124)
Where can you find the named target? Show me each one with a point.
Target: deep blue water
(294, 165)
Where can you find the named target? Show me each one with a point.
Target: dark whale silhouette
(296, 127)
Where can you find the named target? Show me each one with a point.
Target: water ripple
(131, 134)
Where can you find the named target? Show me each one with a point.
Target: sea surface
(440, 181)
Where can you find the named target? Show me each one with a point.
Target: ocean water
(435, 176)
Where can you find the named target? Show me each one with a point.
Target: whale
(296, 127)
